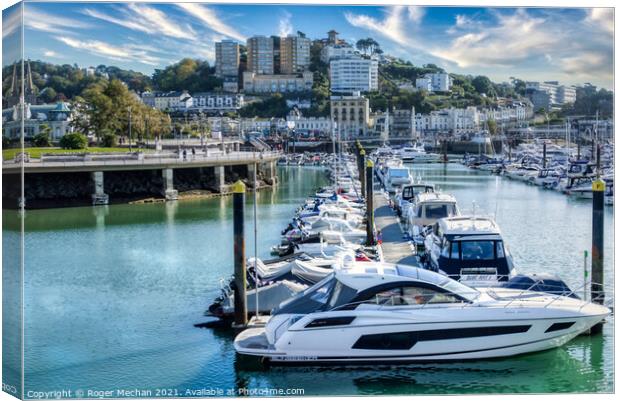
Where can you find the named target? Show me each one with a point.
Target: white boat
(383, 166)
(406, 196)
(521, 173)
(578, 187)
(546, 177)
(417, 154)
(378, 312)
(397, 177)
(470, 249)
(427, 209)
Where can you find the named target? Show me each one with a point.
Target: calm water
(112, 295)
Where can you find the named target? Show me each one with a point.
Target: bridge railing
(167, 159)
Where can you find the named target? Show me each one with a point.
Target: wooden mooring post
(241, 310)
(370, 210)
(597, 292)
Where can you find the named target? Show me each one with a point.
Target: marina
(222, 200)
(189, 280)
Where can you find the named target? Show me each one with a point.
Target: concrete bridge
(97, 165)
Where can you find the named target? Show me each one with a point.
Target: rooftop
(469, 225)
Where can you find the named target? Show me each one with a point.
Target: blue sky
(570, 45)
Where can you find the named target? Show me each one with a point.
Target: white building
(334, 51)
(263, 125)
(550, 94)
(355, 74)
(311, 125)
(471, 119)
(441, 82)
(57, 116)
(435, 82)
(215, 102)
(167, 100)
(255, 83)
(424, 84)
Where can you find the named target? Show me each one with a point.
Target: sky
(570, 45)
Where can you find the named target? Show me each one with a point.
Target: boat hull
(416, 342)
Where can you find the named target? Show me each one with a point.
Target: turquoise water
(112, 294)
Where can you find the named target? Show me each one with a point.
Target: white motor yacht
(417, 154)
(378, 312)
(429, 207)
(397, 177)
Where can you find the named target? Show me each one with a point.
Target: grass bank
(9, 154)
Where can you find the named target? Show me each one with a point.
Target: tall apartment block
(294, 54)
(260, 55)
(226, 58)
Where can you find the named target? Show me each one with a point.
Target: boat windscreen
(324, 295)
(440, 280)
(464, 291)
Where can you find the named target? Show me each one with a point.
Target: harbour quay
(99, 179)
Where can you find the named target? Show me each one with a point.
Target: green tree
(42, 139)
(73, 141)
(273, 106)
(48, 94)
(109, 140)
(483, 85)
(107, 106)
(367, 46)
(188, 74)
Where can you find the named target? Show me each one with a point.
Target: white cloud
(284, 25)
(212, 21)
(461, 20)
(11, 21)
(415, 14)
(103, 49)
(50, 53)
(391, 27)
(41, 21)
(602, 17)
(139, 17)
(514, 38)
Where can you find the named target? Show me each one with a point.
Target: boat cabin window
(473, 250)
(439, 211)
(411, 295)
(454, 250)
(499, 249)
(477, 250)
(408, 192)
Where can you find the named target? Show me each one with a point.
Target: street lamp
(129, 111)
